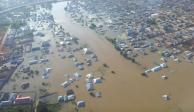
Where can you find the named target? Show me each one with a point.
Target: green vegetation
(123, 53)
(19, 108)
(112, 40)
(92, 26)
(48, 107)
(17, 24)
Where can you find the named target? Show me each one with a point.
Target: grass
(48, 107)
(19, 108)
(54, 107)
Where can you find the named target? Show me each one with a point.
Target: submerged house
(77, 76)
(46, 73)
(166, 97)
(65, 84)
(62, 99)
(147, 71)
(89, 86)
(81, 104)
(71, 97)
(163, 65)
(156, 69)
(89, 78)
(86, 51)
(97, 80)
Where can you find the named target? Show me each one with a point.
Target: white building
(71, 97)
(97, 80)
(163, 65)
(156, 69)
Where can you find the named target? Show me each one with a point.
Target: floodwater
(127, 90)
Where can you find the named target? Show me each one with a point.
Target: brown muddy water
(127, 90)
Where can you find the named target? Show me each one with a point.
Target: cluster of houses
(76, 76)
(143, 34)
(9, 99)
(67, 41)
(110, 14)
(90, 82)
(70, 96)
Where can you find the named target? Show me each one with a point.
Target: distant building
(9, 100)
(23, 100)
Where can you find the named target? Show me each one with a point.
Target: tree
(36, 72)
(41, 107)
(92, 26)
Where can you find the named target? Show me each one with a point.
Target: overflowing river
(127, 90)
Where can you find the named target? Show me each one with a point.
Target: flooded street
(127, 90)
